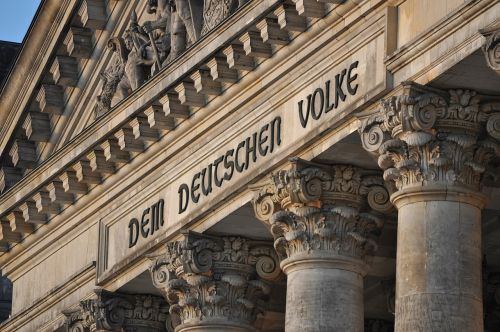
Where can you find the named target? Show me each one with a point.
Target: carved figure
(159, 31)
(144, 50)
(139, 59)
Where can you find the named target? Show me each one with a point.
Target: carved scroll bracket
(491, 47)
(112, 312)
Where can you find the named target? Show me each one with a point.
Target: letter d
(183, 197)
(133, 230)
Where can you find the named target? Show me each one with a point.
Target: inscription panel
(254, 140)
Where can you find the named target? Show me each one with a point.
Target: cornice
(46, 72)
(119, 115)
(50, 298)
(437, 33)
(205, 119)
(103, 129)
(42, 39)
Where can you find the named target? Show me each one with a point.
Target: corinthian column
(118, 312)
(435, 146)
(215, 284)
(325, 223)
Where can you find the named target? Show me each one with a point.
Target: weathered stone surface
(78, 42)
(319, 49)
(5, 298)
(324, 234)
(425, 138)
(118, 312)
(491, 47)
(9, 176)
(37, 127)
(436, 147)
(23, 154)
(215, 284)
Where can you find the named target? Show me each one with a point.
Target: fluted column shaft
(325, 220)
(435, 146)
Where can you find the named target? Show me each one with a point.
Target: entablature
(215, 115)
(59, 51)
(154, 108)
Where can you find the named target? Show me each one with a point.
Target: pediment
(85, 147)
(149, 36)
(101, 54)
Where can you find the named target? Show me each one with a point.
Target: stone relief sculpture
(144, 49)
(112, 77)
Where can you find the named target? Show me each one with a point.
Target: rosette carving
(206, 278)
(432, 136)
(335, 210)
(491, 47)
(112, 312)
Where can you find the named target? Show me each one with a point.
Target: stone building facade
(252, 165)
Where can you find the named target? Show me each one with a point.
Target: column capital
(215, 280)
(431, 137)
(322, 186)
(491, 46)
(110, 311)
(323, 214)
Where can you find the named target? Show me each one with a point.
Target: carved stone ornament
(428, 136)
(321, 210)
(146, 48)
(210, 280)
(491, 47)
(215, 11)
(119, 312)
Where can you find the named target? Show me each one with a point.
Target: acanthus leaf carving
(454, 146)
(211, 278)
(326, 210)
(112, 311)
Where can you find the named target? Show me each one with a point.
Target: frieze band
(238, 159)
(323, 97)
